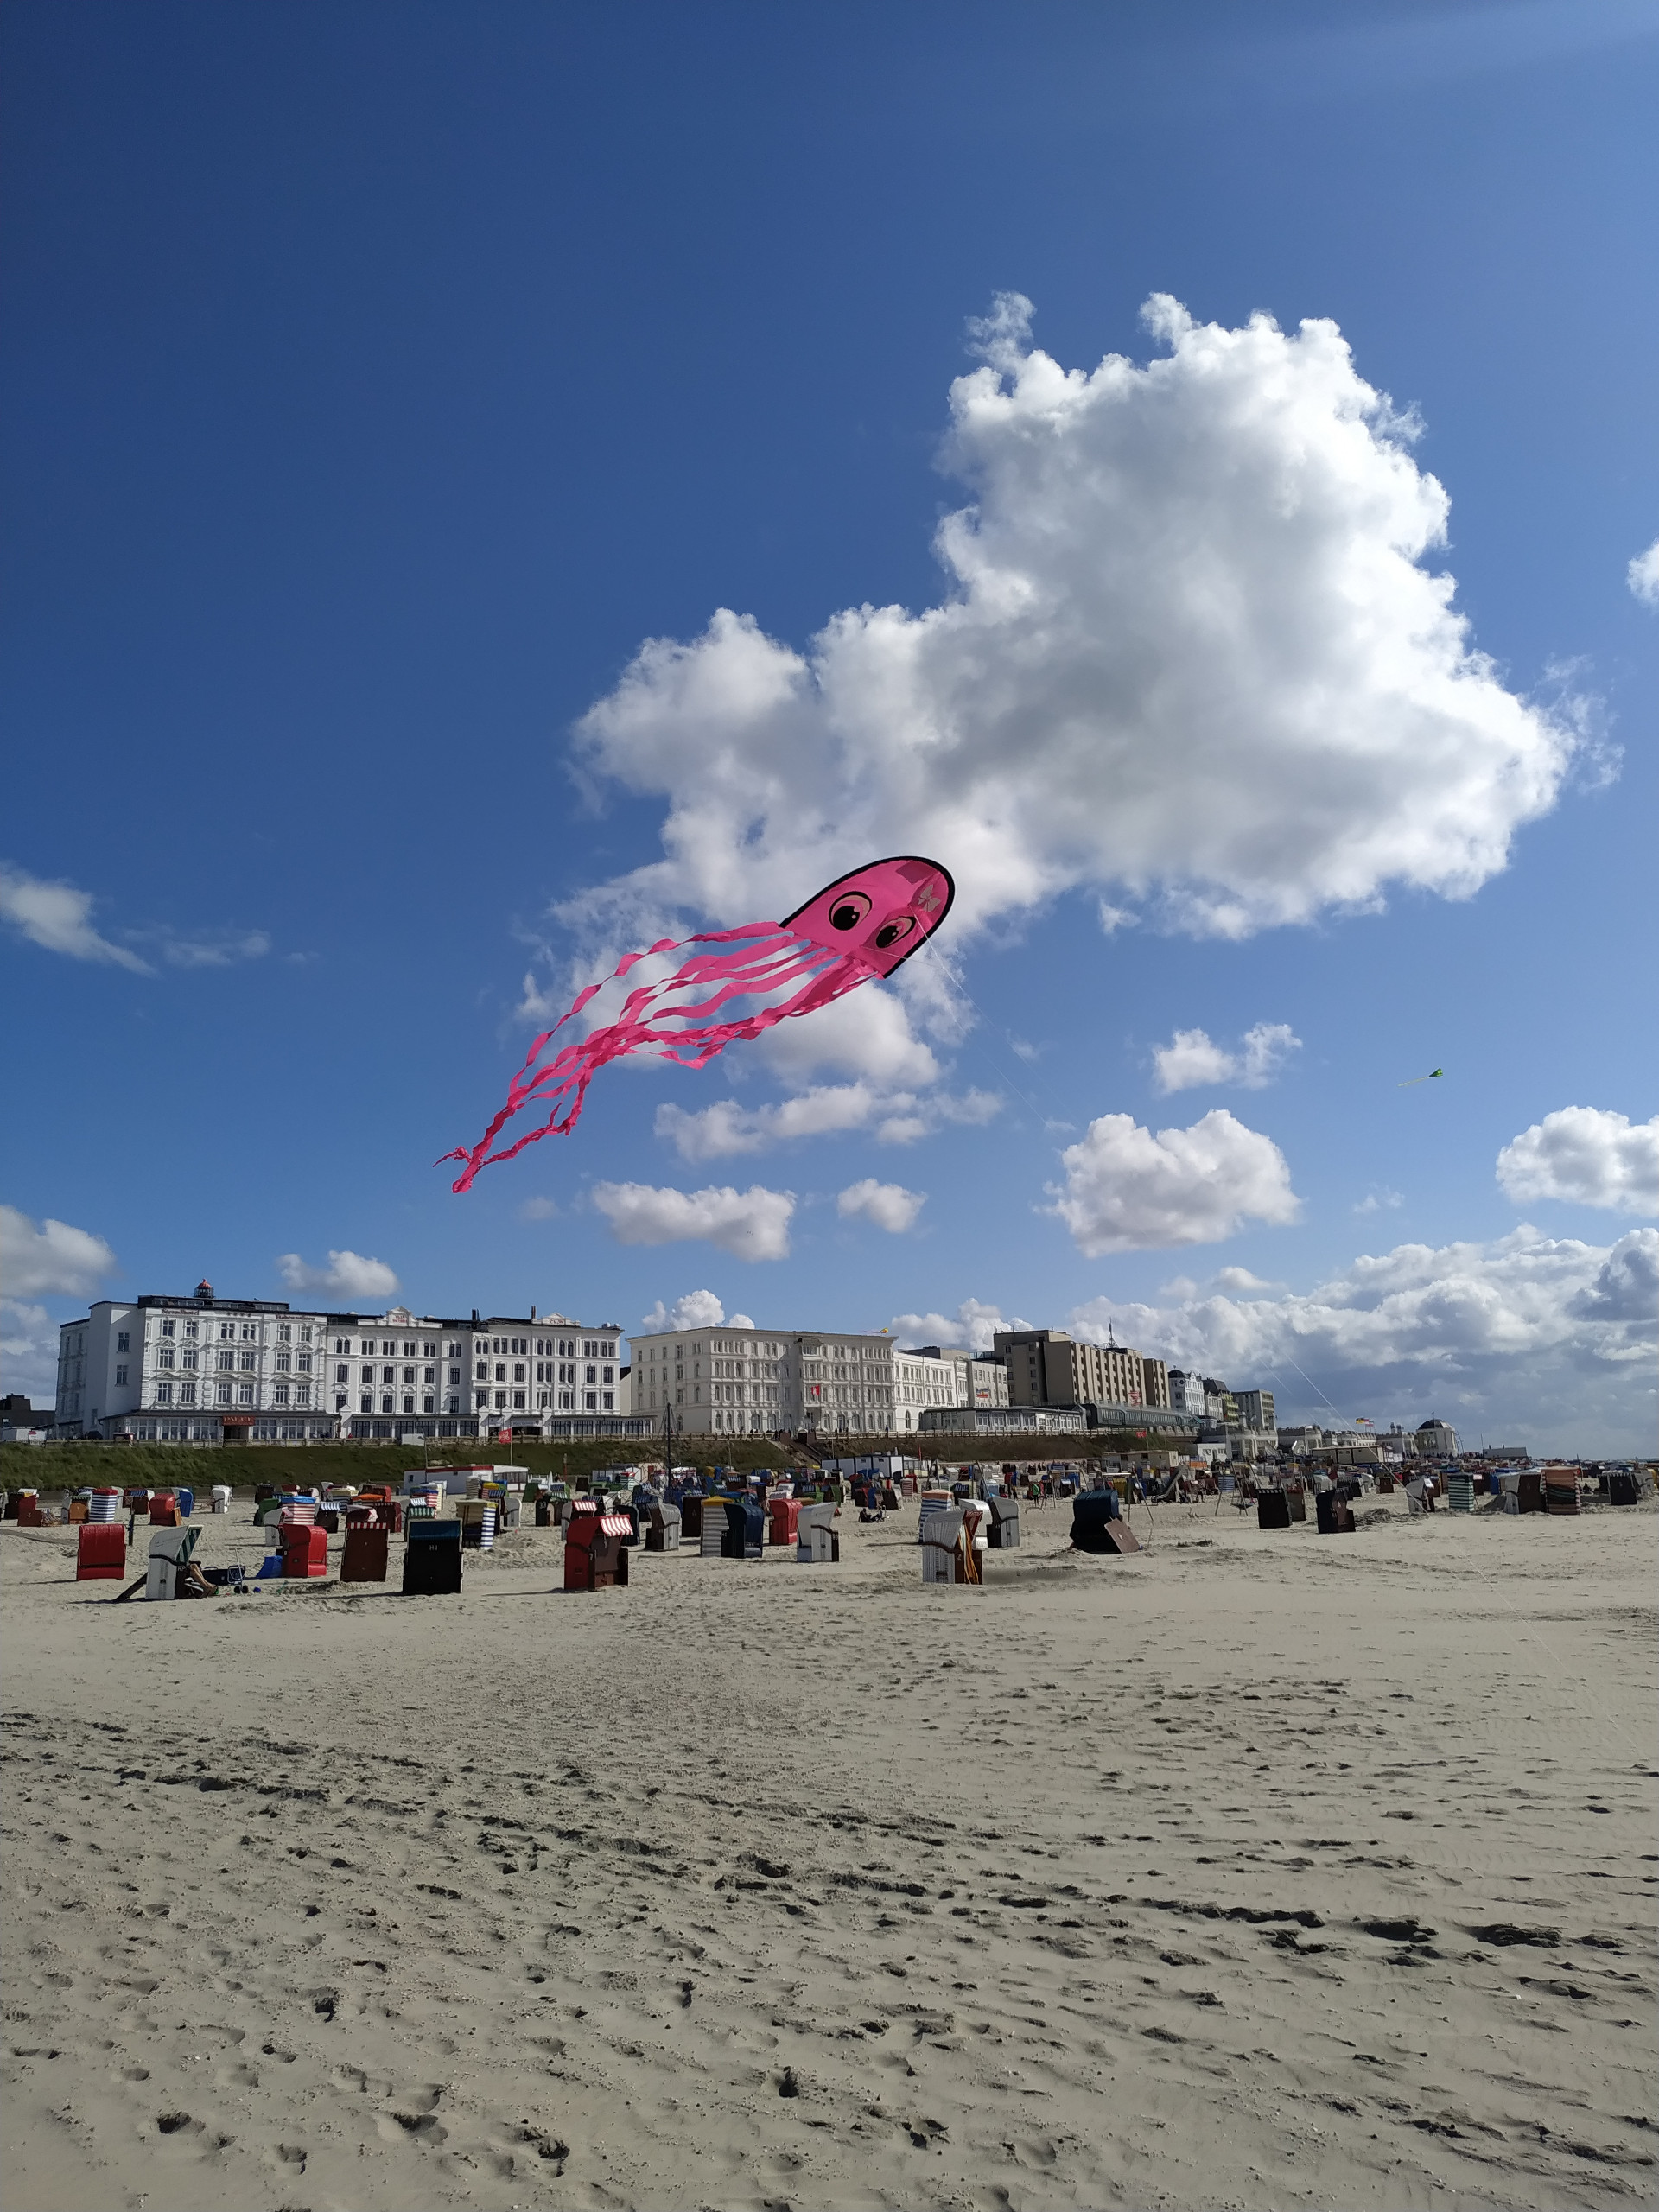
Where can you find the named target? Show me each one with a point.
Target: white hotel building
(738, 1382)
(206, 1369)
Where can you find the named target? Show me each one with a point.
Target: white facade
(757, 1383)
(507, 1365)
(934, 1376)
(193, 1369)
(197, 1370)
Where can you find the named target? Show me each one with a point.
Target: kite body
(860, 926)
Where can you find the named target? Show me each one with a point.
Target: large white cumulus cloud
(1128, 1190)
(1190, 655)
(1545, 1341)
(1587, 1156)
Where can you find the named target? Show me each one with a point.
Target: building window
(164, 1356)
(284, 1334)
(280, 1394)
(385, 1403)
(408, 1402)
(245, 1361)
(428, 1404)
(567, 1400)
(366, 1403)
(408, 1376)
(428, 1374)
(284, 1362)
(163, 1394)
(245, 1394)
(455, 1374)
(368, 1375)
(452, 1404)
(592, 1402)
(120, 1377)
(483, 1372)
(168, 1328)
(388, 1375)
(500, 1370)
(186, 1393)
(518, 1402)
(610, 1400)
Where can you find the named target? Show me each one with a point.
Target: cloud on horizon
(1532, 1339)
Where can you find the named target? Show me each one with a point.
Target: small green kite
(1409, 1080)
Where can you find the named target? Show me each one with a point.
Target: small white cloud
(752, 1225)
(537, 1210)
(35, 1262)
(1642, 576)
(348, 1275)
(888, 1205)
(1376, 1200)
(1190, 1059)
(1127, 1190)
(1238, 1282)
(693, 1309)
(1589, 1157)
(215, 952)
(58, 918)
(972, 1326)
(726, 1130)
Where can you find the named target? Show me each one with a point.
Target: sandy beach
(1257, 1869)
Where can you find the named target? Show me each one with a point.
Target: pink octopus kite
(862, 925)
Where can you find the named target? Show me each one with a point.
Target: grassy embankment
(54, 1469)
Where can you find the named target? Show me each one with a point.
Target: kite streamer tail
(659, 1017)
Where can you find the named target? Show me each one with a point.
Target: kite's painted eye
(891, 932)
(848, 911)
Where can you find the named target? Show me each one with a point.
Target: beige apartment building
(1049, 1366)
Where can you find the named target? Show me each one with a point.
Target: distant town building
(939, 1377)
(741, 1382)
(1049, 1366)
(1436, 1438)
(209, 1369)
(1255, 1409)
(1003, 1421)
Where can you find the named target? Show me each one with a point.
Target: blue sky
(378, 379)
